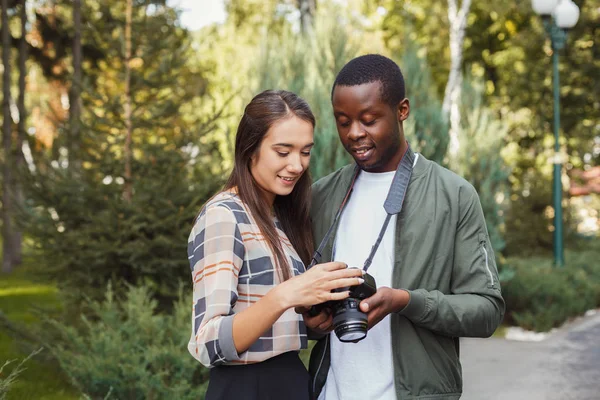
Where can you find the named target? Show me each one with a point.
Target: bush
(541, 296)
(86, 234)
(9, 380)
(126, 349)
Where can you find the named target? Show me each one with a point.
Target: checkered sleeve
(216, 253)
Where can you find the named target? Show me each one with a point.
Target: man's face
(369, 128)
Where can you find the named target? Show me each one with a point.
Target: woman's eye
(306, 153)
(281, 154)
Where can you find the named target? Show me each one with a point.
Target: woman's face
(282, 157)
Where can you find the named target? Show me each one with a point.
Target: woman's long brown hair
(292, 210)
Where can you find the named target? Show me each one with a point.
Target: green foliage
(85, 233)
(426, 128)
(125, 348)
(541, 296)
(6, 382)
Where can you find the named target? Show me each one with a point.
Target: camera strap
(392, 205)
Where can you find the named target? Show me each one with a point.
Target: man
(435, 269)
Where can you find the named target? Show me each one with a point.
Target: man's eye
(369, 123)
(344, 123)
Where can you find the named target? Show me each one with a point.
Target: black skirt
(280, 377)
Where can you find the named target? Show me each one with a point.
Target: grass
(19, 296)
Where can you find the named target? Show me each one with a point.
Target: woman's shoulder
(224, 199)
(226, 204)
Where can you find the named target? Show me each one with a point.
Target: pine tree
(426, 127)
(85, 232)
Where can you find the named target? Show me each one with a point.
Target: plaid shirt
(232, 268)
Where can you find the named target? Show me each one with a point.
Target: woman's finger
(345, 273)
(334, 265)
(339, 295)
(344, 282)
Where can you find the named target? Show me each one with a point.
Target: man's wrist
(402, 298)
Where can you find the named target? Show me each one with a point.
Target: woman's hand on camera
(315, 285)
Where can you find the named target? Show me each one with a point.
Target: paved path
(565, 366)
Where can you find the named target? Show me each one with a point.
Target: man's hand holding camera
(321, 324)
(382, 303)
(385, 301)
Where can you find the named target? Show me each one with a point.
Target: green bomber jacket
(444, 259)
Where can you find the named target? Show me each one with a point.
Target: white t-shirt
(364, 370)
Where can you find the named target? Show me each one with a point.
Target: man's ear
(403, 109)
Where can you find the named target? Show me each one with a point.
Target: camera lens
(349, 323)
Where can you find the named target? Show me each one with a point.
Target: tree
(307, 14)
(21, 128)
(458, 23)
(127, 191)
(427, 126)
(85, 231)
(8, 255)
(75, 91)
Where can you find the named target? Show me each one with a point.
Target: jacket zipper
(320, 364)
(487, 266)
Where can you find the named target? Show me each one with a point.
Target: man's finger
(301, 310)
(370, 303)
(326, 325)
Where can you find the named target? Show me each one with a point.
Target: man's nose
(356, 132)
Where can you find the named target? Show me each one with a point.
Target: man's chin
(366, 165)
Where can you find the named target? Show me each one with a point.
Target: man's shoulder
(451, 182)
(330, 182)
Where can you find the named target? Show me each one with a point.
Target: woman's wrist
(280, 297)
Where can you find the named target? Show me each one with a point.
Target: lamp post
(557, 16)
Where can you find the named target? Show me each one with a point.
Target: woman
(248, 251)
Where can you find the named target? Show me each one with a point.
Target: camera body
(349, 322)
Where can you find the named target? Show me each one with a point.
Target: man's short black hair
(374, 68)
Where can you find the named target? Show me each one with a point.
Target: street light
(557, 16)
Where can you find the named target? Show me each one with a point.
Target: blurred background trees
(119, 122)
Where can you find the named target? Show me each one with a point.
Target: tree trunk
(75, 92)
(128, 191)
(307, 14)
(451, 105)
(7, 192)
(21, 130)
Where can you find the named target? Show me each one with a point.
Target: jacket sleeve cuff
(416, 306)
(226, 339)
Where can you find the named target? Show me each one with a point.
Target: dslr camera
(349, 323)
